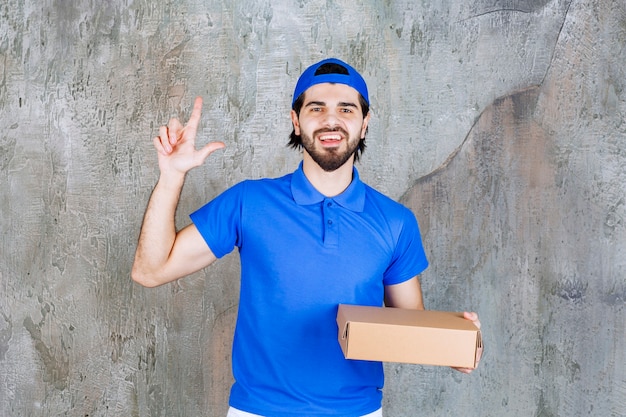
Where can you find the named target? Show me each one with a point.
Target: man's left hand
(474, 319)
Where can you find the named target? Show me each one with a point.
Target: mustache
(334, 129)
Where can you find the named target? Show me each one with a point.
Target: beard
(330, 159)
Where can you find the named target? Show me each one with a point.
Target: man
(308, 241)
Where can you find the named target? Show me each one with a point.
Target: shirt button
(330, 222)
(329, 204)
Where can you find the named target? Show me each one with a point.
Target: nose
(331, 120)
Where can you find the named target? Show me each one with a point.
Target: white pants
(233, 412)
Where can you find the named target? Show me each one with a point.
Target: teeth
(330, 137)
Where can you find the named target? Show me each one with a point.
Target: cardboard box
(409, 336)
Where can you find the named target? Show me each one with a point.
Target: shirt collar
(352, 198)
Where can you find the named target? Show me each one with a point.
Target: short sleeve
(219, 221)
(409, 258)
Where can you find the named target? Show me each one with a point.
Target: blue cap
(309, 79)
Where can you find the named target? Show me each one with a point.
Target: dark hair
(295, 141)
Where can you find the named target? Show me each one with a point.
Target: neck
(329, 184)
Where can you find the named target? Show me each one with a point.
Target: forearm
(158, 231)
(163, 254)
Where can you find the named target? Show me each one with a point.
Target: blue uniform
(302, 254)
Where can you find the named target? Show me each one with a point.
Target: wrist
(171, 180)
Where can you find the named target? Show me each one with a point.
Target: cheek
(304, 127)
(357, 129)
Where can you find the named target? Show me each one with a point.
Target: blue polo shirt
(302, 254)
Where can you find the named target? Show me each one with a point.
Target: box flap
(479, 348)
(406, 317)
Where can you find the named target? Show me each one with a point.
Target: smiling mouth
(331, 137)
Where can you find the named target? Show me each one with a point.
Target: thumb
(472, 317)
(208, 149)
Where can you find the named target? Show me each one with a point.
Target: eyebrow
(340, 104)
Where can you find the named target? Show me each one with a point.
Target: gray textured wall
(501, 123)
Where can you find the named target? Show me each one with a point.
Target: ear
(296, 122)
(365, 123)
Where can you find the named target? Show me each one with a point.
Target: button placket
(331, 226)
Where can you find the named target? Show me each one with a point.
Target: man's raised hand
(176, 144)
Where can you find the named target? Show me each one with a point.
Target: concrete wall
(502, 124)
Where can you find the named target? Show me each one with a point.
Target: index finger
(194, 119)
